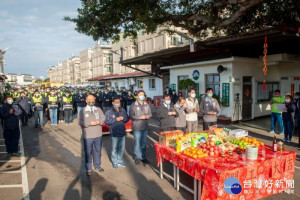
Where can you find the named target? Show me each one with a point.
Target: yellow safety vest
(52, 98)
(37, 100)
(65, 99)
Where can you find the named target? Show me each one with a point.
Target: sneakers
(17, 154)
(8, 155)
(145, 161)
(100, 169)
(285, 139)
(281, 133)
(89, 172)
(122, 164)
(289, 140)
(115, 166)
(271, 132)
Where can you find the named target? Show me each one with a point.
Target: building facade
(19, 80)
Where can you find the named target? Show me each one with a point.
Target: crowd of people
(96, 106)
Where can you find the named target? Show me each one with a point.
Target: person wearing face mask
(22, 101)
(288, 118)
(60, 108)
(115, 118)
(68, 108)
(276, 115)
(130, 99)
(91, 119)
(174, 97)
(192, 109)
(9, 115)
(166, 114)
(168, 91)
(180, 120)
(80, 101)
(74, 95)
(37, 106)
(52, 102)
(209, 108)
(106, 101)
(140, 112)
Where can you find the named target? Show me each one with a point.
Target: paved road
(55, 169)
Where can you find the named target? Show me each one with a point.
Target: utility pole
(2, 52)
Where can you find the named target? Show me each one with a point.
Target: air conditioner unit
(132, 81)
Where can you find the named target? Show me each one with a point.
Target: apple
(211, 153)
(216, 148)
(212, 144)
(208, 146)
(204, 145)
(204, 150)
(211, 149)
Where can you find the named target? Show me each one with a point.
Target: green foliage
(8, 86)
(47, 80)
(38, 81)
(186, 84)
(106, 19)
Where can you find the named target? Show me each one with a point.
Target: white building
(19, 80)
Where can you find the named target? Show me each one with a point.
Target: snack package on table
(197, 138)
(169, 137)
(183, 142)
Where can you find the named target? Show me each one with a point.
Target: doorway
(247, 98)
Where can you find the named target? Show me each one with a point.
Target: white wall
(209, 68)
(158, 91)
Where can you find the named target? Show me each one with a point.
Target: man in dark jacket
(166, 114)
(10, 123)
(22, 101)
(80, 101)
(130, 99)
(116, 117)
(106, 101)
(37, 106)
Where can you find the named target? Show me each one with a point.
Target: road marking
(10, 172)
(11, 186)
(297, 167)
(5, 161)
(23, 169)
(154, 125)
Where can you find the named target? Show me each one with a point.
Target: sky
(37, 35)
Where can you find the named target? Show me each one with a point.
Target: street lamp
(2, 52)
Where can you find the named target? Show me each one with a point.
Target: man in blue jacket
(80, 101)
(10, 123)
(115, 118)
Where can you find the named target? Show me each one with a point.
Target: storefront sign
(225, 94)
(196, 75)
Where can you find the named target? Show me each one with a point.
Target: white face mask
(193, 95)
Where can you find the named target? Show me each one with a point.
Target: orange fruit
(194, 156)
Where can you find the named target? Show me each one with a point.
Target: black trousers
(206, 125)
(11, 138)
(24, 118)
(68, 113)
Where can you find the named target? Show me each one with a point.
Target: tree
(38, 81)
(106, 19)
(47, 80)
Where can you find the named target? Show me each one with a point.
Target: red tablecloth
(270, 174)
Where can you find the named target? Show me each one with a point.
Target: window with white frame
(268, 93)
(152, 84)
(213, 81)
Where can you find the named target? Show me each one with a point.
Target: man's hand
(120, 119)
(212, 113)
(143, 117)
(53, 101)
(38, 104)
(171, 113)
(97, 122)
(11, 111)
(147, 116)
(93, 123)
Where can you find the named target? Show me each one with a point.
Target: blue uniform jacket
(117, 129)
(10, 121)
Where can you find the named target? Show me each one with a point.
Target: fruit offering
(210, 148)
(227, 147)
(195, 153)
(243, 142)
